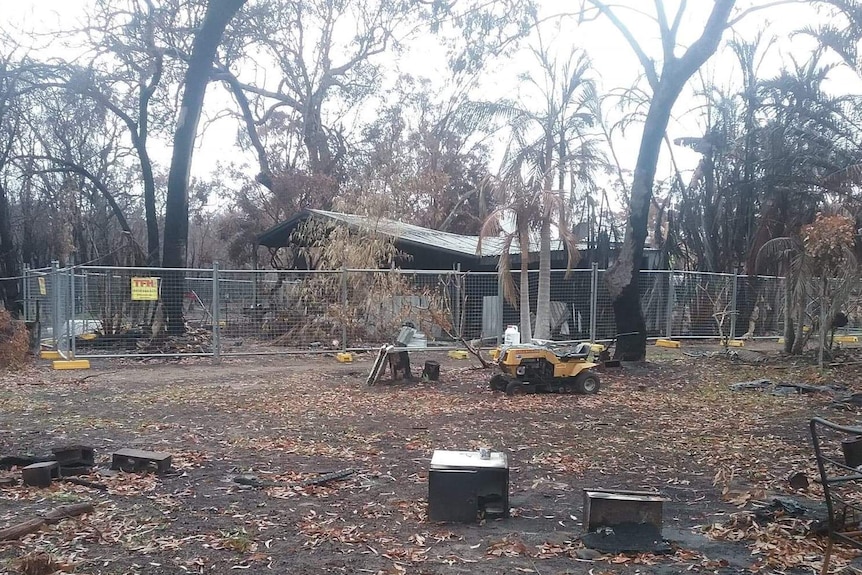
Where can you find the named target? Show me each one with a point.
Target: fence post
(25, 286)
(85, 295)
(733, 308)
(216, 314)
(594, 300)
(56, 300)
(500, 308)
(671, 296)
(73, 324)
(344, 308)
(457, 318)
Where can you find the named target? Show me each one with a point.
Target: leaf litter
(675, 427)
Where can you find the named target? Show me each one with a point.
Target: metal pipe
(733, 307)
(55, 304)
(216, 314)
(343, 308)
(671, 296)
(73, 330)
(594, 300)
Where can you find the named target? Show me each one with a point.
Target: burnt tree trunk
(622, 277)
(9, 266)
(219, 13)
(320, 157)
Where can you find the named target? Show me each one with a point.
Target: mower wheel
(587, 383)
(515, 388)
(497, 383)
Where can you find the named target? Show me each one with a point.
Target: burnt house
(485, 313)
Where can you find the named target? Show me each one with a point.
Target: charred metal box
(463, 484)
(610, 508)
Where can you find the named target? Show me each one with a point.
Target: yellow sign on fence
(145, 289)
(43, 289)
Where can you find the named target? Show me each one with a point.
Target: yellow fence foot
(72, 364)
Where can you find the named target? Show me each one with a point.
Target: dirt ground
(671, 425)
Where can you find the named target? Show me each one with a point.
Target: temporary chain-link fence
(91, 311)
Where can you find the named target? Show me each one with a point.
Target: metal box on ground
(624, 521)
(134, 460)
(461, 484)
(609, 508)
(452, 495)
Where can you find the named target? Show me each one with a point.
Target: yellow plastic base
(846, 339)
(597, 348)
(344, 357)
(780, 340)
(89, 336)
(72, 364)
(736, 343)
(669, 343)
(458, 354)
(50, 354)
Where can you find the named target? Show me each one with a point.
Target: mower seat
(581, 351)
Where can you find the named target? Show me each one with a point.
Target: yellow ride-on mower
(529, 368)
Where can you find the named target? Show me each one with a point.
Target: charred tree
(207, 40)
(622, 277)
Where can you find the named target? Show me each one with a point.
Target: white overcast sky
(611, 56)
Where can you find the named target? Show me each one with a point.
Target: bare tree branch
(66, 166)
(265, 176)
(646, 62)
(668, 41)
(748, 11)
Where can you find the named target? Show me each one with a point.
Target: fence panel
(481, 306)
(142, 311)
(268, 311)
(606, 326)
(378, 303)
(761, 305)
(102, 311)
(38, 301)
(655, 290)
(571, 303)
(703, 305)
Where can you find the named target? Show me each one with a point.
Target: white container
(512, 336)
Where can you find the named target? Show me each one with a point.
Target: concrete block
(40, 474)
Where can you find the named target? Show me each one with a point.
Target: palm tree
(550, 146)
(518, 198)
(843, 31)
(563, 149)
